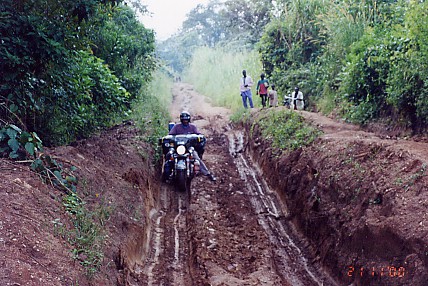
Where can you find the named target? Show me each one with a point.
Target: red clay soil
(353, 204)
(35, 229)
(360, 200)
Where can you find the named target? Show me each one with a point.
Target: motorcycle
(180, 167)
(288, 101)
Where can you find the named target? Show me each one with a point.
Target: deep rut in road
(167, 262)
(353, 201)
(234, 232)
(288, 258)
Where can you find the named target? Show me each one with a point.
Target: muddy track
(239, 230)
(233, 232)
(356, 202)
(288, 257)
(168, 259)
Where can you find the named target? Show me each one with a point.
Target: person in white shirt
(297, 99)
(245, 87)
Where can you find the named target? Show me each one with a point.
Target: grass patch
(215, 72)
(86, 237)
(241, 115)
(150, 113)
(286, 129)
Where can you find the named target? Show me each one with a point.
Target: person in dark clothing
(185, 127)
(262, 89)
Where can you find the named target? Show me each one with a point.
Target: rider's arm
(195, 129)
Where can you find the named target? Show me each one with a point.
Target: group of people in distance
(268, 96)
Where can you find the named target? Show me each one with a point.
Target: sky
(167, 15)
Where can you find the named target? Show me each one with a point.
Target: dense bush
(384, 76)
(286, 129)
(290, 45)
(362, 82)
(50, 80)
(363, 60)
(126, 47)
(87, 97)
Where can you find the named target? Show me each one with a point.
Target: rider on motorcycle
(185, 127)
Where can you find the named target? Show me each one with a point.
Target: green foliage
(18, 144)
(363, 79)
(229, 21)
(86, 237)
(290, 44)
(240, 116)
(126, 47)
(363, 60)
(150, 111)
(383, 76)
(408, 76)
(286, 129)
(88, 98)
(244, 21)
(207, 22)
(232, 25)
(49, 79)
(216, 72)
(177, 51)
(52, 172)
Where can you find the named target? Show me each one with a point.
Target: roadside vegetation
(362, 61)
(285, 129)
(215, 72)
(68, 69)
(150, 113)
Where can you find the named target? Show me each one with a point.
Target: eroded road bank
(355, 203)
(232, 232)
(248, 240)
(347, 210)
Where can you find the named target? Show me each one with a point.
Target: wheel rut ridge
(167, 262)
(267, 205)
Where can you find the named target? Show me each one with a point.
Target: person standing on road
(245, 88)
(273, 97)
(262, 89)
(297, 101)
(185, 127)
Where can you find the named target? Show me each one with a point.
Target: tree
(237, 25)
(51, 82)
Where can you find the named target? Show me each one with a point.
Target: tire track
(288, 257)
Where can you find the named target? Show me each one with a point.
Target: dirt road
(232, 232)
(356, 203)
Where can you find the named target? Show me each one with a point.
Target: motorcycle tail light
(181, 150)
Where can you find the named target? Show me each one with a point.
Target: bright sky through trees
(167, 16)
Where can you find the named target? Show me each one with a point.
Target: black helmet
(184, 115)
